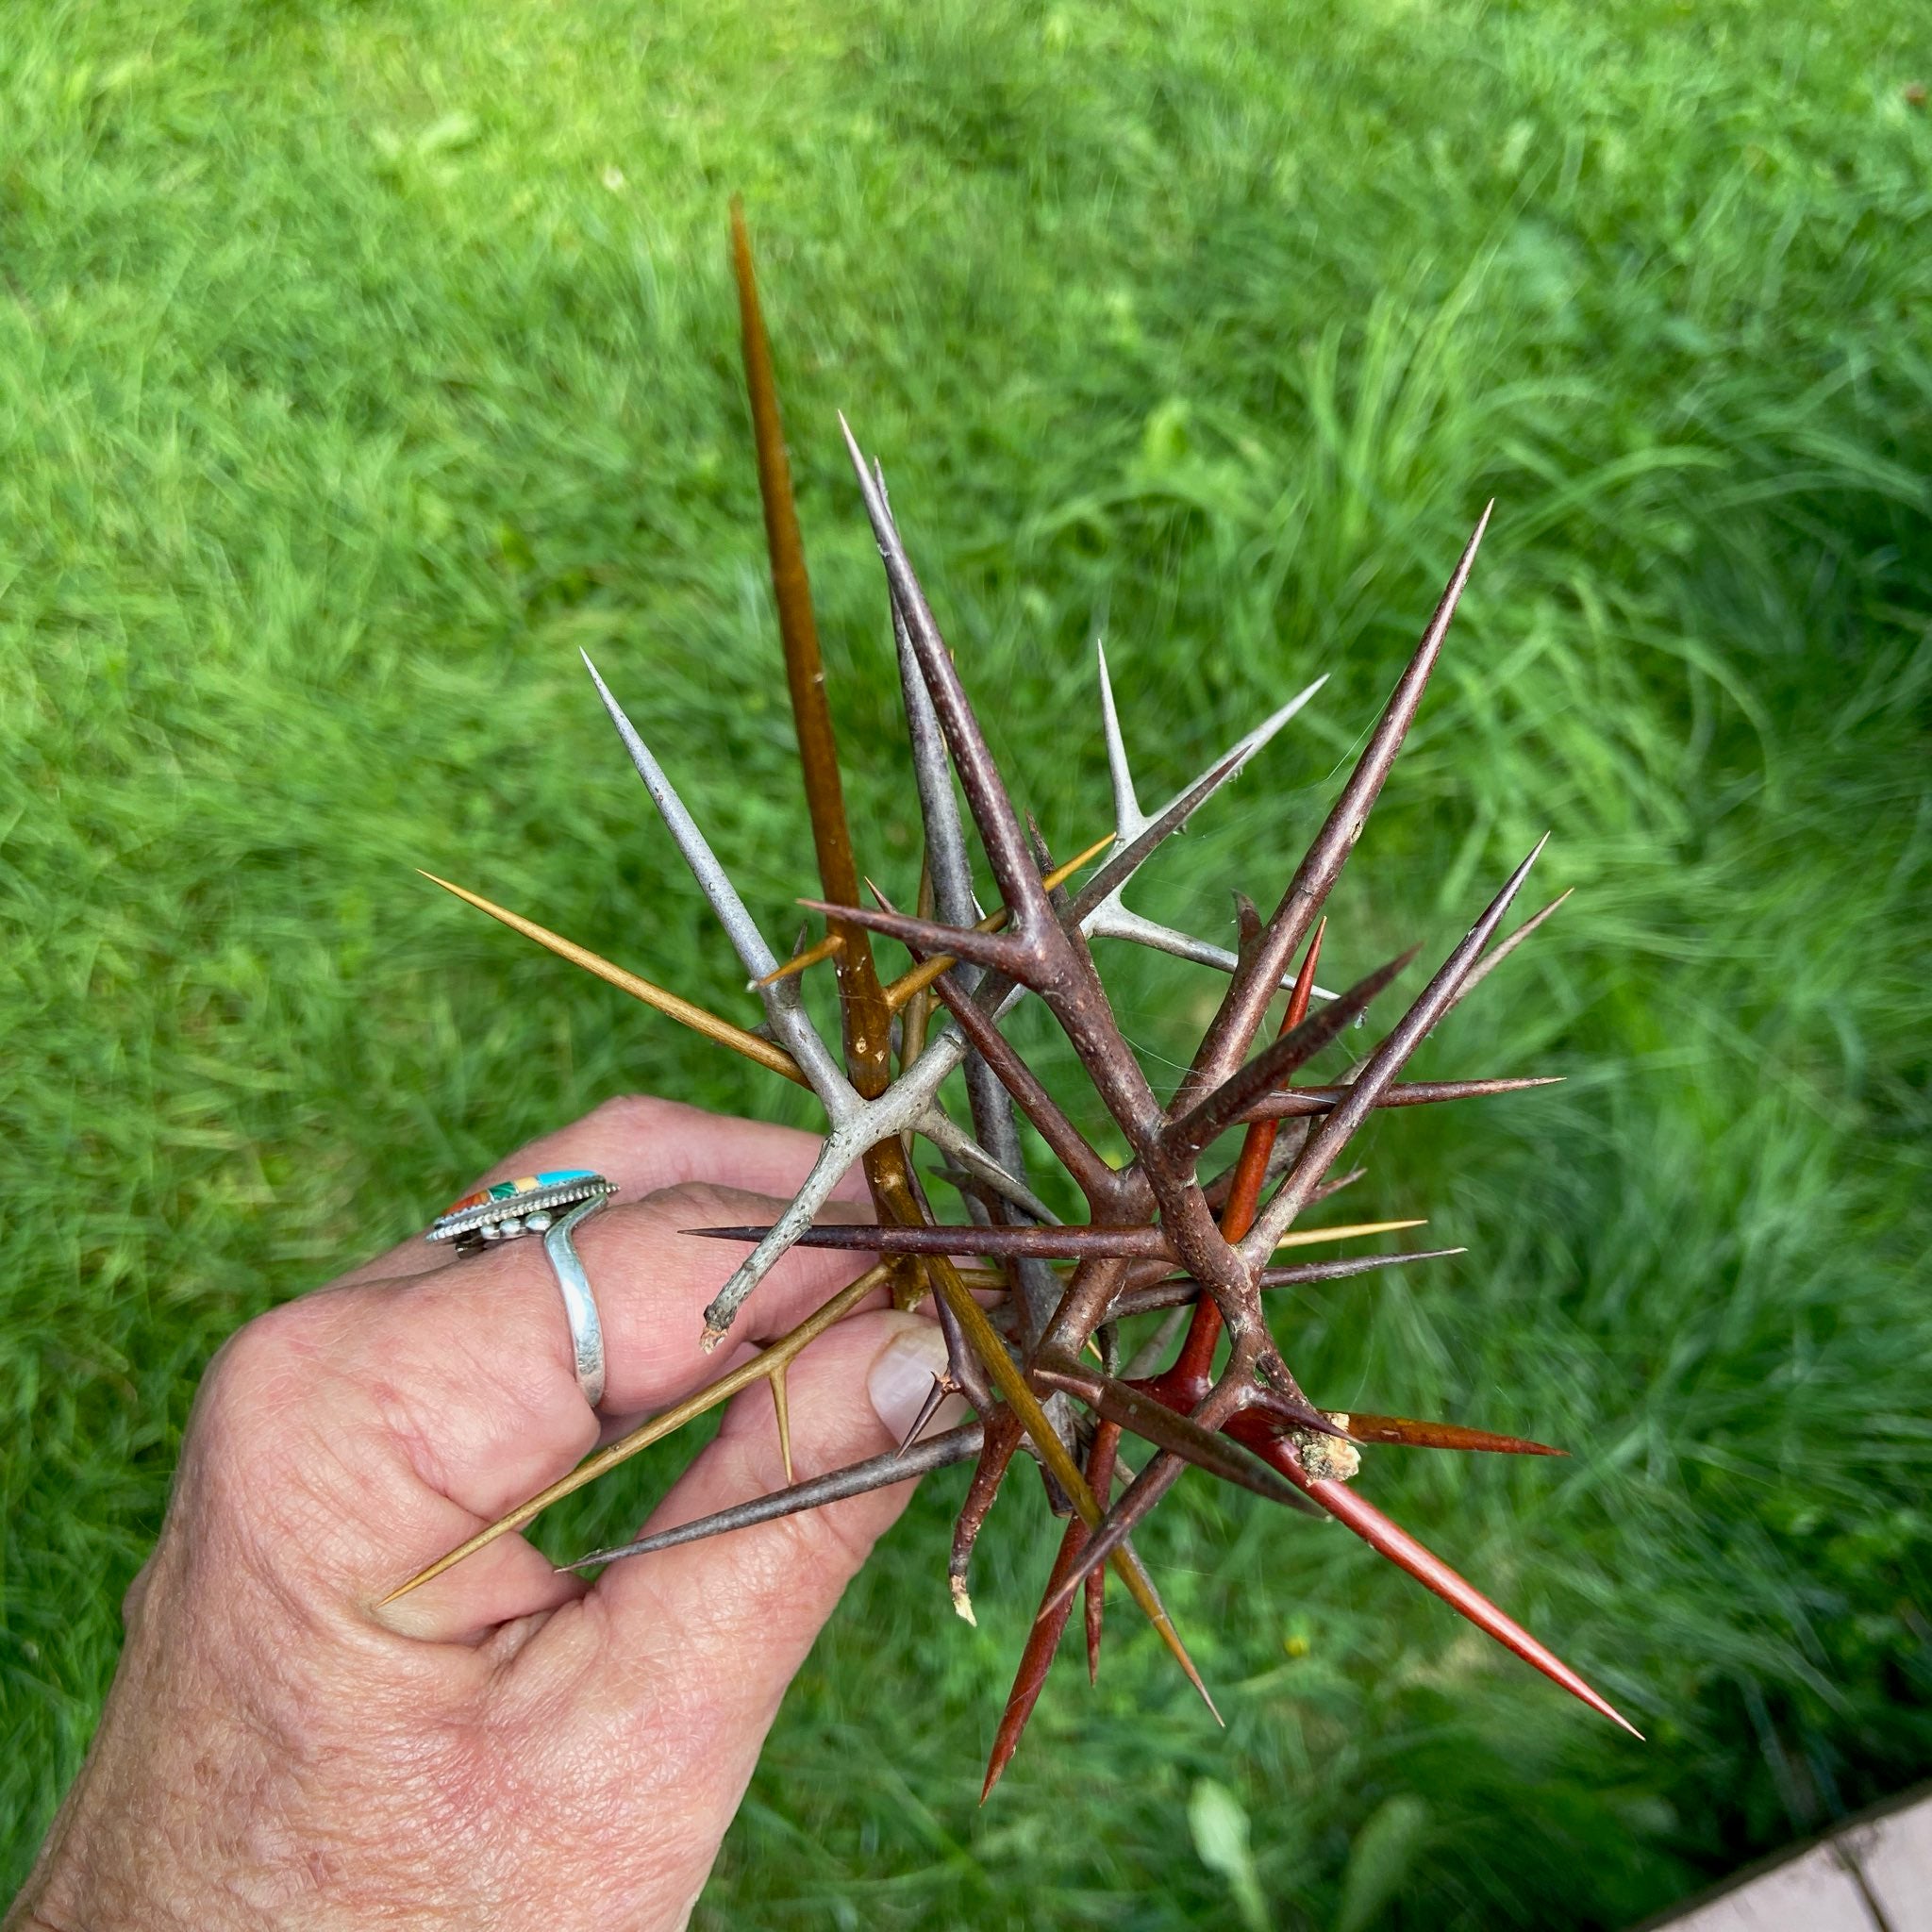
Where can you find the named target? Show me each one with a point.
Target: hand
(506, 1746)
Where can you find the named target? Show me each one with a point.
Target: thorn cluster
(1032, 1330)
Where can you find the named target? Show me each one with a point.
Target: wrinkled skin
(505, 1747)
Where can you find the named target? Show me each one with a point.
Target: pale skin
(507, 1746)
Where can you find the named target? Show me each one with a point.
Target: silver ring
(580, 1303)
(530, 1204)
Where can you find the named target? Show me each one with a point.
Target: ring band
(580, 1303)
(512, 1210)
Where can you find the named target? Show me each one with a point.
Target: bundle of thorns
(1041, 1364)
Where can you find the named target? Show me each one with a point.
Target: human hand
(505, 1746)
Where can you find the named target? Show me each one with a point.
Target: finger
(398, 1419)
(480, 1361)
(507, 1580)
(644, 1144)
(686, 1653)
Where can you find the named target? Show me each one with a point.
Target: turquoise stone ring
(528, 1205)
(552, 1205)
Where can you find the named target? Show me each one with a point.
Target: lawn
(360, 361)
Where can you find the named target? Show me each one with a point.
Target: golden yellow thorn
(781, 1402)
(983, 1278)
(670, 1003)
(1307, 1237)
(832, 943)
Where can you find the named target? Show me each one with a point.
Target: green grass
(357, 361)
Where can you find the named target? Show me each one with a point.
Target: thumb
(689, 1651)
(900, 1380)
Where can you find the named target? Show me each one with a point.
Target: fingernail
(901, 1376)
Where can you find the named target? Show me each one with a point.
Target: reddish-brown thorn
(1253, 985)
(1420, 1435)
(1002, 1437)
(1004, 952)
(1075, 1242)
(1296, 1101)
(1332, 1133)
(927, 1410)
(1163, 1422)
(1390, 1540)
(1036, 1658)
(1220, 1110)
(1178, 1291)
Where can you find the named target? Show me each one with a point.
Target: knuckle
(689, 1201)
(638, 1114)
(135, 1600)
(259, 1360)
(255, 1388)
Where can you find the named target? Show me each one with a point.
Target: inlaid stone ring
(552, 1205)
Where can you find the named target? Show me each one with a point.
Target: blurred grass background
(358, 362)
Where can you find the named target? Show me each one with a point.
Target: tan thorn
(671, 1004)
